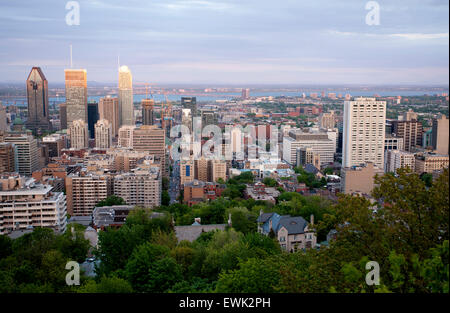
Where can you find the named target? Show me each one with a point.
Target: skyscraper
(79, 134)
(63, 115)
(27, 153)
(37, 96)
(245, 94)
(103, 134)
(92, 117)
(186, 119)
(108, 109)
(364, 132)
(147, 111)
(151, 139)
(126, 96)
(3, 121)
(440, 135)
(209, 117)
(76, 95)
(190, 103)
(411, 131)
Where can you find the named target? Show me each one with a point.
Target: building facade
(140, 187)
(37, 95)
(364, 132)
(76, 96)
(103, 134)
(108, 109)
(126, 96)
(25, 204)
(79, 134)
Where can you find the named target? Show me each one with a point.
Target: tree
(111, 200)
(150, 269)
(107, 284)
(253, 276)
(165, 198)
(270, 182)
(243, 220)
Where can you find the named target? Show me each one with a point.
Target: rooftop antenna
(71, 64)
(118, 61)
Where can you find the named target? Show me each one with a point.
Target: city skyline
(231, 42)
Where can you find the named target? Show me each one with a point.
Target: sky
(229, 41)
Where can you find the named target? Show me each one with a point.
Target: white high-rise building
(103, 134)
(79, 134)
(364, 132)
(126, 96)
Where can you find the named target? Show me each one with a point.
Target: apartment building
(25, 204)
(84, 190)
(27, 152)
(428, 163)
(141, 187)
(396, 159)
(364, 132)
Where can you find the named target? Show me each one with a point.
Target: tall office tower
(245, 94)
(78, 132)
(84, 190)
(126, 136)
(327, 120)
(190, 103)
(37, 96)
(219, 170)
(141, 187)
(27, 153)
(186, 118)
(108, 109)
(411, 132)
(76, 96)
(363, 137)
(151, 139)
(440, 135)
(147, 111)
(23, 203)
(103, 134)
(187, 171)
(3, 121)
(92, 117)
(126, 96)
(7, 157)
(63, 115)
(209, 117)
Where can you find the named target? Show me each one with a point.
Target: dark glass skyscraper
(37, 95)
(190, 103)
(92, 118)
